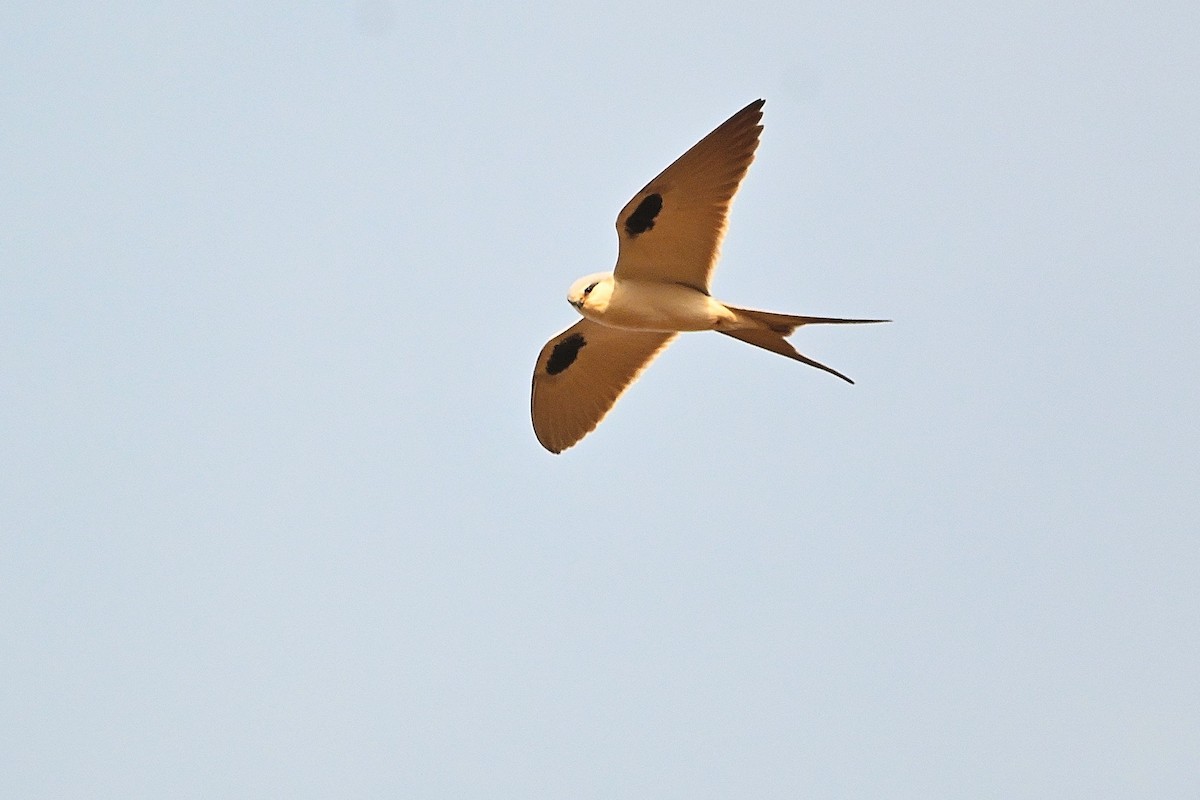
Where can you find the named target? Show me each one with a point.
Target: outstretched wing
(672, 229)
(580, 374)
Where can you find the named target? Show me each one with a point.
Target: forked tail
(777, 326)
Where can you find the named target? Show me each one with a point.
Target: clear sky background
(274, 522)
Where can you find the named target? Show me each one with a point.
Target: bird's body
(670, 235)
(644, 305)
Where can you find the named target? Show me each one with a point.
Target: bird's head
(590, 294)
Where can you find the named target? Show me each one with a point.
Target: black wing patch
(564, 353)
(642, 218)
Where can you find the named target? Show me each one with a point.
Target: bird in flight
(670, 236)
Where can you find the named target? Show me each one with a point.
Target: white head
(590, 294)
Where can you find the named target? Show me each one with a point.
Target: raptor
(670, 238)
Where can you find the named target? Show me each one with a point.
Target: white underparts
(654, 306)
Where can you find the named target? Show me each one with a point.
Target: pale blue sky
(273, 522)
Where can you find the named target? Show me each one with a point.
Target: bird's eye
(588, 290)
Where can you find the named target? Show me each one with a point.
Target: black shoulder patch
(642, 218)
(564, 353)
